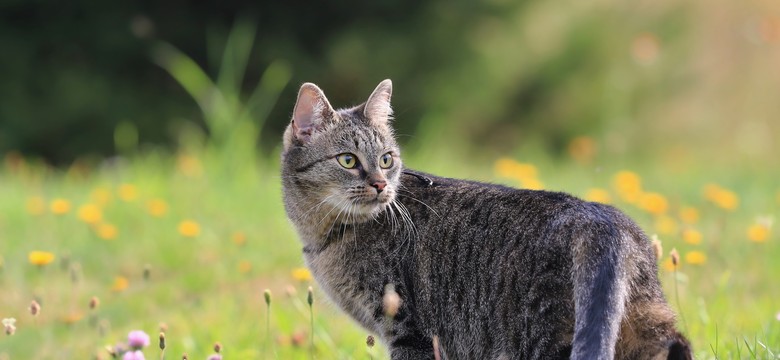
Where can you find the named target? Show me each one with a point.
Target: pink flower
(134, 355)
(137, 339)
(215, 357)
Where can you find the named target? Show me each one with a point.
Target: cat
(490, 272)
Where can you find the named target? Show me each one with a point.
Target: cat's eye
(347, 160)
(386, 161)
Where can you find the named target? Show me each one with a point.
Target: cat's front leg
(411, 348)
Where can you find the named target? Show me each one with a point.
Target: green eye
(386, 161)
(347, 160)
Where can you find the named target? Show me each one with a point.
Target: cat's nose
(379, 185)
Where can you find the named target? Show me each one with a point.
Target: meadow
(193, 244)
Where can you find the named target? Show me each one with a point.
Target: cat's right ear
(311, 111)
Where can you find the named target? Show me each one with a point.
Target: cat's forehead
(356, 133)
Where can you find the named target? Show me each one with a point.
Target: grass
(194, 248)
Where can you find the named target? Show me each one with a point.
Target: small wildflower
(598, 195)
(657, 247)
(90, 213)
(244, 266)
(721, 197)
(582, 149)
(370, 341)
(189, 165)
(628, 186)
(120, 284)
(35, 205)
(134, 355)
(301, 274)
(310, 297)
(239, 238)
(163, 327)
(759, 231)
(162, 341)
(40, 258)
(100, 196)
(695, 258)
(391, 302)
(137, 339)
(675, 257)
(184, 356)
(189, 228)
(666, 225)
(72, 317)
(267, 296)
(35, 308)
(128, 192)
(689, 215)
(298, 339)
(653, 203)
(157, 207)
(9, 325)
(94, 302)
(59, 206)
(777, 316)
(691, 236)
(214, 357)
(509, 168)
(217, 347)
(106, 231)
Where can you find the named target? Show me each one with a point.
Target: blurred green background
(140, 146)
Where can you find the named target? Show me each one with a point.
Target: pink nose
(379, 185)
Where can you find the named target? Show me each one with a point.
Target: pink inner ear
(309, 111)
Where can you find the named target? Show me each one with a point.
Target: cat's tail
(601, 252)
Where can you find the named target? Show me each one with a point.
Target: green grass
(209, 287)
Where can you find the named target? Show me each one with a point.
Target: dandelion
(666, 225)
(244, 266)
(532, 184)
(9, 325)
(189, 228)
(128, 192)
(35, 205)
(120, 284)
(72, 317)
(691, 236)
(239, 238)
(90, 214)
(40, 258)
(138, 339)
(509, 168)
(35, 308)
(689, 215)
(653, 203)
(106, 231)
(189, 165)
(598, 195)
(721, 197)
(157, 207)
(59, 206)
(301, 274)
(628, 186)
(100, 196)
(758, 232)
(695, 258)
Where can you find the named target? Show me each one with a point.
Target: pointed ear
(311, 111)
(377, 107)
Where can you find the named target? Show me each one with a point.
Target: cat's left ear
(377, 107)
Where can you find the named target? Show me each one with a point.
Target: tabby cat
(491, 272)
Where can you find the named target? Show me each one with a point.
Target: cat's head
(341, 161)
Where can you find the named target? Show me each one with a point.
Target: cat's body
(492, 272)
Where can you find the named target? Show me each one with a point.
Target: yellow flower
(100, 196)
(666, 225)
(59, 206)
(758, 232)
(244, 266)
(157, 207)
(36, 205)
(582, 149)
(120, 284)
(106, 231)
(40, 258)
(598, 195)
(689, 215)
(189, 228)
(72, 317)
(668, 265)
(90, 213)
(532, 184)
(239, 238)
(723, 198)
(653, 203)
(301, 274)
(189, 165)
(509, 168)
(691, 236)
(628, 186)
(695, 258)
(128, 192)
